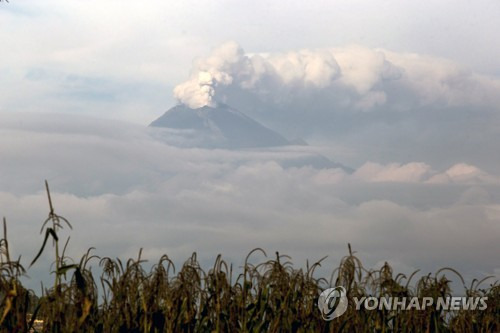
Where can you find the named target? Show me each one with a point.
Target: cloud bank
(122, 190)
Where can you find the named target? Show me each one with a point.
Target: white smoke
(198, 92)
(354, 77)
(218, 69)
(262, 74)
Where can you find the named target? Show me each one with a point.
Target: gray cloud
(123, 190)
(109, 41)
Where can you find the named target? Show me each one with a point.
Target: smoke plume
(354, 77)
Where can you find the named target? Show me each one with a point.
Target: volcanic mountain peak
(220, 127)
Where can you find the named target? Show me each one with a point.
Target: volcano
(223, 127)
(219, 127)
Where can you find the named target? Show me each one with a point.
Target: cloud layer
(128, 57)
(123, 190)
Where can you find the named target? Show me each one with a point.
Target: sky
(405, 93)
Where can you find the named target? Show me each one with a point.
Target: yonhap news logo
(332, 303)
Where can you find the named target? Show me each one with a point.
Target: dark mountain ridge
(222, 127)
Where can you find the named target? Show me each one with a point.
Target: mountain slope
(221, 127)
(226, 128)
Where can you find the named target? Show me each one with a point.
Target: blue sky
(406, 93)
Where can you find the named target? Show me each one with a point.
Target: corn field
(270, 296)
